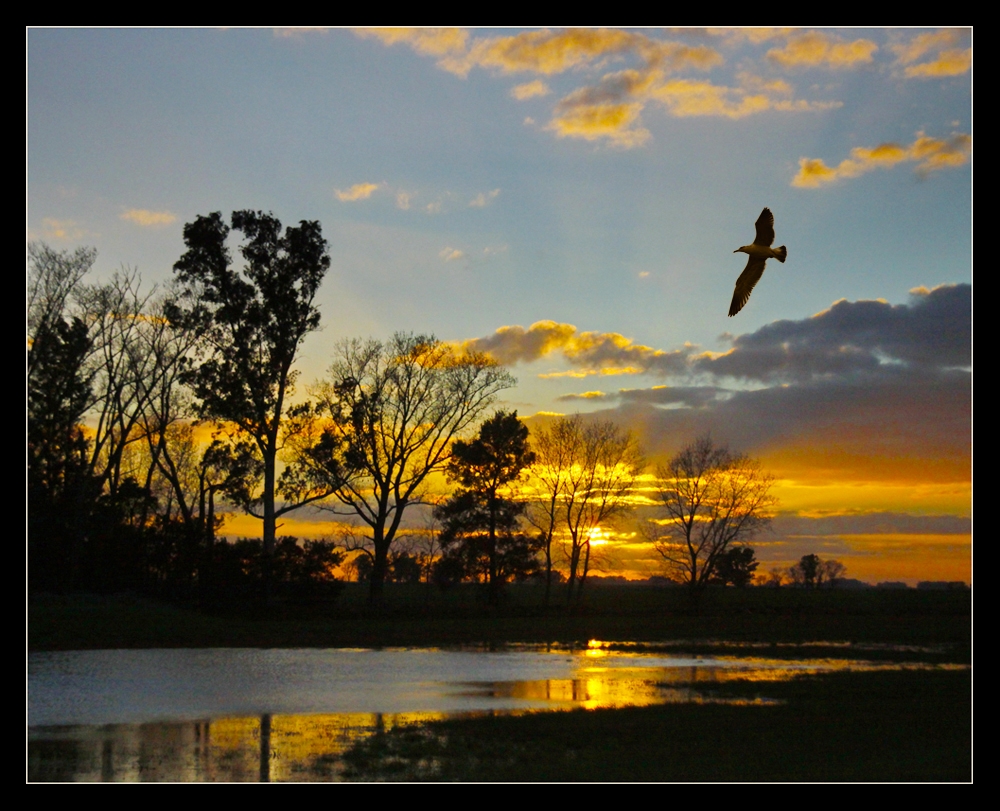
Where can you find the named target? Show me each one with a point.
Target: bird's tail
(780, 253)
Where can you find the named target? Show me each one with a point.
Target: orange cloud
(147, 218)
(530, 90)
(816, 49)
(61, 229)
(606, 353)
(949, 60)
(430, 41)
(359, 191)
(610, 110)
(929, 154)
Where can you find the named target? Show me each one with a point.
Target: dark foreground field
(913, 723)
(874, 726)
(414, 615)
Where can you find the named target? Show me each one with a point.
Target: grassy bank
(870, 726)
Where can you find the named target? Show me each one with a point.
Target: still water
(288, 714)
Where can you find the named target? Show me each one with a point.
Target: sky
(570, 200)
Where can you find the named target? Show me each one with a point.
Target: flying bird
(760, 251)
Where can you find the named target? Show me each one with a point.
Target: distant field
(415, 615)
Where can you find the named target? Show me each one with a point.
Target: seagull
(760, 251)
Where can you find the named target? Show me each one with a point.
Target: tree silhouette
(812, 572)
(583, 474)
(393, 410)
(712, 499)
(736, 566)
(480, 523)
(252, 323)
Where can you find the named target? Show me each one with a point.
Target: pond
(288, 714)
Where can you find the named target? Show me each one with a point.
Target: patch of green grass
(870, 726)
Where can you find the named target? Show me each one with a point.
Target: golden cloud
(450, 254)
(816, 49)
(61, 229)
(949, 61)
(430, 41)
(147, 218)
(530, 90)
(615, 122)
(610, 110)
(604, 353)
(930, 154)
(359, 191)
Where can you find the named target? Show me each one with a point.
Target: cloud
(589, 352)
(291, 33)
(609, 111)
(586, 395)
(529, 90)
(403, 200)
(684, 98)
(949, 61)
(450, 254)
(61, 229)
(689, 396)
(428, 41)
(551, 52)
(433, 208)
(359, 191)
(865, 391)
(854, 340)
(816, 49)
(147, 218)
(929, 154)
(482, 200)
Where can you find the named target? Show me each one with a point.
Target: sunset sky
(570, 200)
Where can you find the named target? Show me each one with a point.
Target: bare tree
(393, 410)
(584, 475)
(712, 499)
(52, 280)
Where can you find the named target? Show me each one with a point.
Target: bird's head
(741, 249)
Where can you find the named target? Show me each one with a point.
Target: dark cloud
(913, 420)
(879, 523)
(855, 339)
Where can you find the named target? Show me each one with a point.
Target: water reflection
(289, 715)
(275, 748)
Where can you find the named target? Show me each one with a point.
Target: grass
(877, 726)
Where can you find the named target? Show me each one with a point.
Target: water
(250, 714)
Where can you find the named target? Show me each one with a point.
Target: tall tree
(252, 322)
(393, 410)
(60, 488)
(584, 476)
(481, 521)
(712, 499)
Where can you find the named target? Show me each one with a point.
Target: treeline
(146, 410)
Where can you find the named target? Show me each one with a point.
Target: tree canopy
(712, 498)
(481, 523)
(252, 322)
(392, 411)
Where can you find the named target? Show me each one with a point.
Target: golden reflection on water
(310, 747)
(267, 748)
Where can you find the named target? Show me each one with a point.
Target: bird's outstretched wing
(765, 231)
(748, 279)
